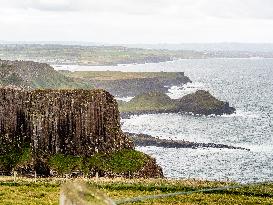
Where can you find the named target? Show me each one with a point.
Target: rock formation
(199, 103)
(75, 122)
(144, 140)
(202, 102)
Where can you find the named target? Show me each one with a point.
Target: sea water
(247, 84)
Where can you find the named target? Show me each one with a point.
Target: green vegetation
(152, 101)
(119, 75)
(14, 158)
(126, 161)
(65, 164)
(200, 102)
(91, 55)
(36, 75)
(130, 83)
(57, 81)
(46, 191)
(121, 162)
(201, 99)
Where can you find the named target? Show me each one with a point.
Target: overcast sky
(137, 21)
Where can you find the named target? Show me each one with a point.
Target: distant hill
(28, 74)
(250, 47)
(90, 55)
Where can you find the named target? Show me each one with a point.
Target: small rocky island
(199, 103)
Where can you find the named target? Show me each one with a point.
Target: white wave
(241, 113)
(176, 92)
(262, 148)
(125, 99)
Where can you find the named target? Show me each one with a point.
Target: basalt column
(75, 122)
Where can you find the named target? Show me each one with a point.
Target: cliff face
(74, 122)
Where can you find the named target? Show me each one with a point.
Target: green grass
(152, 101)
(123, 162)
(55, 80)
(92, 55)
(38, 77)
(46, 191)
(119, 75)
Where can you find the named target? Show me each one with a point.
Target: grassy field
(46, 191)
(119, 75)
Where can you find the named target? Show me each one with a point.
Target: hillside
(199, 103)
(125, 84)
(90, 55)
(28, 74)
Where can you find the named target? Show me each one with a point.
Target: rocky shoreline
(148, 140)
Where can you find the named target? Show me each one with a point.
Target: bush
(65, 164)
(14, 158)
(121, 162)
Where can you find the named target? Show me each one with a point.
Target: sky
(137, 21)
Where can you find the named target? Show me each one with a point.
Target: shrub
(65, 164)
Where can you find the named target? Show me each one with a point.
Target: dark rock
(75, 122)
(147, 140)
(202, 102)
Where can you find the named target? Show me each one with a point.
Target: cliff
(50, 123)
(125, 84)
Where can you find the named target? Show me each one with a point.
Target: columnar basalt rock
(73, 122)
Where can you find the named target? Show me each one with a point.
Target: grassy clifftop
(34, 75)
(119, 75)
(124, 84)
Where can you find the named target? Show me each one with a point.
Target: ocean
(247, 84)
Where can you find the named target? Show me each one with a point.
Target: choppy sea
(247, 84)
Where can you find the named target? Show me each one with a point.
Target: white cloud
(238, 9)
(137, 21)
